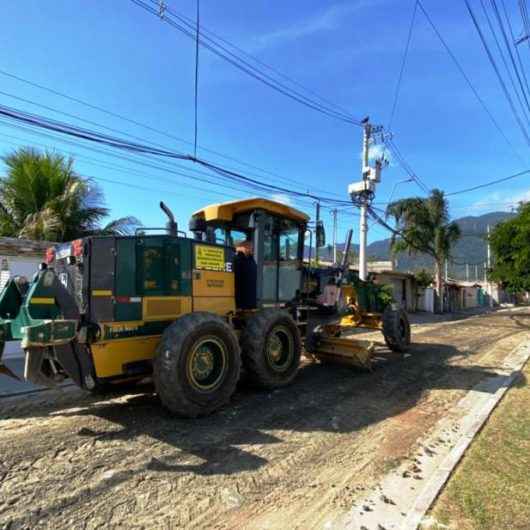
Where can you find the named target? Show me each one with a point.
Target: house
(404, 287)
(20, 257)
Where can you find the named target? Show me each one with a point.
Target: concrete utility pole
(488, 247)
(467, 272)
(446, 270)
(316, 231)
(334, 213)
(362, 193)
(489, 287)
(476, 272)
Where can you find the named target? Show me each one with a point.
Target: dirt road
(295, 458)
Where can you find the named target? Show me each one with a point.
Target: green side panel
(41, 311)
(150, 265)
(186, 266)
(127, 311)
(163, 266)
(57, 331)
(126, 267)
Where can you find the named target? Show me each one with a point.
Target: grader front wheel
(396, 329)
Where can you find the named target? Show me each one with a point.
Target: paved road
(298, 458)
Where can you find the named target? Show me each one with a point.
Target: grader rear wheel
(396, 329)
(271, 348)
(197, 365)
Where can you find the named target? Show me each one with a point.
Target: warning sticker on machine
(209, 258)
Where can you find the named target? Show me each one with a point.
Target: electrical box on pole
(362, 194)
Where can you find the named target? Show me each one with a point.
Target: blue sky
(118, 56)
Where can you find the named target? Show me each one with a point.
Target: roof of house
(13, 246)
(395, 274)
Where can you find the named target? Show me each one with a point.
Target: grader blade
(345, 351)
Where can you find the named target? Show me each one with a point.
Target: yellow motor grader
(190, 311)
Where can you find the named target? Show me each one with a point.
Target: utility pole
(488, 247)
(363, 234)
(446, 270)
(334, 213)
(362, 193)
(316, 230)
(467, 272)
(476, 272)
(489, 287)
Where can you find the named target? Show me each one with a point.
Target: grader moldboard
(108, 310)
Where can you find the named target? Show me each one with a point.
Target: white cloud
(498, 201)
(281, 197)
(326, 20)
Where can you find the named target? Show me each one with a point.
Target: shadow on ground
(323, 398)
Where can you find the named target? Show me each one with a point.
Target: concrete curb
(477, 419)
(405, 494)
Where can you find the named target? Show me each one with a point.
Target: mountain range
(471, 249)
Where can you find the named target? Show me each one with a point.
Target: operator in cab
(246, 276)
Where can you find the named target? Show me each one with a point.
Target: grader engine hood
(35, 312)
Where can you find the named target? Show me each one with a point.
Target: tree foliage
(424, 278)
(43, 198)
(510, 246)
(424, 227)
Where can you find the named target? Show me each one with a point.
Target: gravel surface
(299, 457)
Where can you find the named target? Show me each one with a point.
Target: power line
(241, 64)
(512, 36)
(403, 62)
(503, 58)
(468, 80)
(497, 72)
(137, 148)
(510, 52)
(405, 165)
(136, 123)
(265, 65)
(491, 183)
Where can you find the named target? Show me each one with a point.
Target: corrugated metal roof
(14, 246)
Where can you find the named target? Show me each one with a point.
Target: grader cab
(190, 312)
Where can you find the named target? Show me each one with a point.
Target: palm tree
(43, 198)
(424, 227)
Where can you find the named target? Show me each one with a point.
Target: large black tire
(396, 329)
(197, 364)
(271, 348)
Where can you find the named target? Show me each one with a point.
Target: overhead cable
(468, 80)
(243, 65)
(402, 68)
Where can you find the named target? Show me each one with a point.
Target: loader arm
(44, 317)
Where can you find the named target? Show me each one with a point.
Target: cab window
(289, 243)
(236, 237)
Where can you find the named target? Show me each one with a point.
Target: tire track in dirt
(298, 455)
